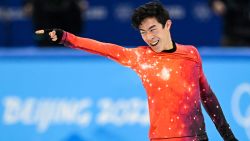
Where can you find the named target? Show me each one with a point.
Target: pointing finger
(39, 32)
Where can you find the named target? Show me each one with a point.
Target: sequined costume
(175, 85)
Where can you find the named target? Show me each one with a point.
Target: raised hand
(50, 35)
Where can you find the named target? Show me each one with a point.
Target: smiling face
(155, 35)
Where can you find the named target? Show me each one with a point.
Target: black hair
(151, 9)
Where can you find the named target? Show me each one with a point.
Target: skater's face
(155, 34)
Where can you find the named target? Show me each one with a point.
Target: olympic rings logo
(242, 119)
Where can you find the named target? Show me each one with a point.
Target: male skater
(170, 72)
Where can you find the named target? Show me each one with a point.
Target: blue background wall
(68, 95)
(109, 21)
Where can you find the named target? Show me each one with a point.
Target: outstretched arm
(112, 51)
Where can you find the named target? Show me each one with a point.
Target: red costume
(175, 85)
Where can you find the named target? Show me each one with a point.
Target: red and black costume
(175, 85)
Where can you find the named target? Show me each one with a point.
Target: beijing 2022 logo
(242, 117)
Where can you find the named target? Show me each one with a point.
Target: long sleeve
(118, 53)
(213, 108)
